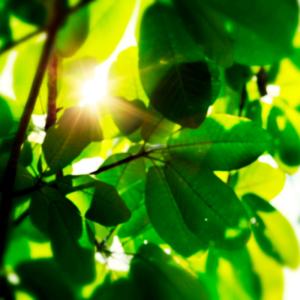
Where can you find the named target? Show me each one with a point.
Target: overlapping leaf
(191, 208)
(223, 142)
(180, 83)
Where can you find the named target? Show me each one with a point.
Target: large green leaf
(260, 179)
(124, 77)
(249, 31)
(76, 129)
(191, 208)
(57, 216)
(272, 231)
(223, 142)
(73, 33)
(180, 83)
(65, 230)
(108, 22)
(233, 275)
(107, 207)
(45, 280)
(128, 115)
(157, 276)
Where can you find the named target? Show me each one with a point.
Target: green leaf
(233, 275)
(272, 231)
(188, 215)
(120, 289)
(180, 83)
(73, 33)
(76, 129)
(6, 290)
(237, 76)
(232, 31)
(108, 22)
(286, 137)
(128, 115)
(223, 142)
(124, 77)
(128, 178)
(45, 280)
(65, 229)
(6, 118)
(166, 216)
(32, 11)
(260, 179)
(138, 223)
(107, 206)
(157, 276)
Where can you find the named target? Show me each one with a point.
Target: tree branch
(8, 182)
(52, 91)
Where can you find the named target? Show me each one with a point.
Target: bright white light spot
(273, 90)
(167, 251)
(39, 120)
(117, 260)
(37, 137)
(205, 220)
(268, 159)
(86, 165)
(267, 99)
(6, 78)
(253, 221)
(100, 258)
(13, 279)
(145, 242)
(95, 89)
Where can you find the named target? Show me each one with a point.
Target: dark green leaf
(121, 289)
(128, 178)
(158, 277)
(186, 212)
(74, 33)
(138, 222)
(180, 83)
(223, 142)
(127, 115)
(6, 119)
(237, 75)
(65, 230)
(107, 207)
(243, 31)
(76, 129)
(286, 138)
(6, 291)
(45, 280)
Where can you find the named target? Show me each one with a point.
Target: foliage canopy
(176, 203)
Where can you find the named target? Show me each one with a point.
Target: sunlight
(94, 91)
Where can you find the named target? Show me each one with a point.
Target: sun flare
(94, 90)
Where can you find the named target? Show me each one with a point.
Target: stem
(52, 91)
(39, 184)
(7, 186)
(122, 161)
(262, 81)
